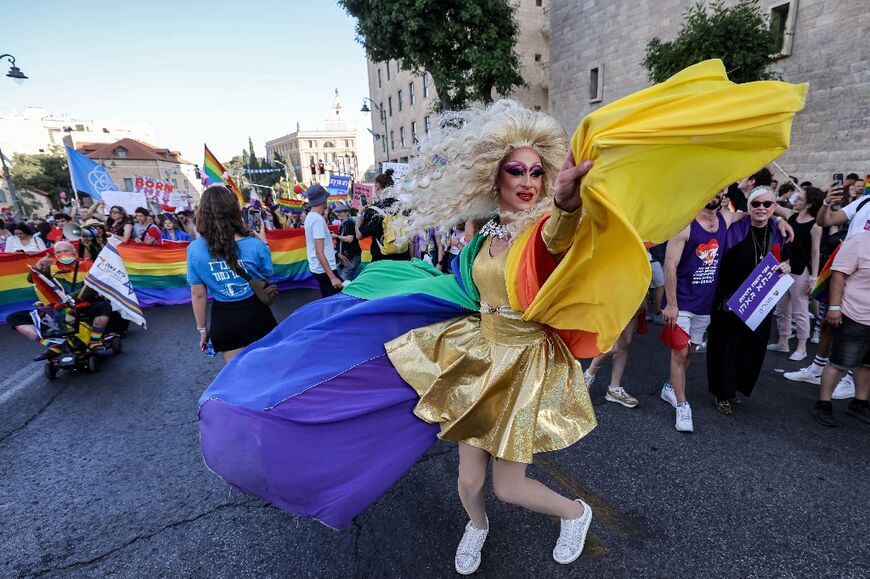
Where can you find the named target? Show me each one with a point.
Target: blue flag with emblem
(87, 176)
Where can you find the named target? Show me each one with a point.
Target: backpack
(389, 243)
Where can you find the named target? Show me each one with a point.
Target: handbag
(265, 292)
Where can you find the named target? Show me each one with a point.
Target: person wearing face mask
(66, 269)
(735, 353)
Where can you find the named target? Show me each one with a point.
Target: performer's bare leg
(512, 486)
(472, 477)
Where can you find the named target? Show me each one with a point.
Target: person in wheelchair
(65, 269)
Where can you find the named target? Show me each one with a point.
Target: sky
(197, 71)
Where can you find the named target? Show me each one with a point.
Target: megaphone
(74, 232)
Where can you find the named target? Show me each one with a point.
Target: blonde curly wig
(453, 178)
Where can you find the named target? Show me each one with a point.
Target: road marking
(20, 380)
(610, 517)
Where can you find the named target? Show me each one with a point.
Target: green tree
(738, 35)
(467, 46)
(47, 172)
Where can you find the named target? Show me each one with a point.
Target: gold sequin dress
(496, 382)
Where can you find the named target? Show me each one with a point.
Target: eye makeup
(518, 169)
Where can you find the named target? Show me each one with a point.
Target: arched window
(328, 145)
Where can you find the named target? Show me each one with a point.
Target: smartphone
(363, 200)
(838, 179)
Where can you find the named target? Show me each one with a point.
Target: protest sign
(126, 199)
(760, 293)
(399, 169)
(154, 189)
(359, 190)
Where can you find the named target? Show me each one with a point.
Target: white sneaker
(701, 348)
(589, 377)
(817, 333)
(620, 396)
(468, 552)
(845, 389)
(572, 536)
(774, 347)
(684, 418)
(798, 356)
(668, 395)
(807, 374)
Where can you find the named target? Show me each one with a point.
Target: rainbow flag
(215, 173)
(291, 205)
(823, 283)
(158, 273)
(16, 293)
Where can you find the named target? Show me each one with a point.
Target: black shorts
(238, 324)
(851, 346)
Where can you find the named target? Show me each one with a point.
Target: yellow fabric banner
(659, 156)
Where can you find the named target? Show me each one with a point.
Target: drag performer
(325, 413)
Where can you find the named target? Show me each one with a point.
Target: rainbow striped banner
(158, 273)
(16, 293)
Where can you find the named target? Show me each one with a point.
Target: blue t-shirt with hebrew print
(222, 282)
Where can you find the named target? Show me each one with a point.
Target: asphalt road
(101, 475)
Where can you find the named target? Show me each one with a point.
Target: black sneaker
(860, 410)
(47, 355)
(823, 412)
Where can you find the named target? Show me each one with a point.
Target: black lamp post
(380, 109)
(14, 72)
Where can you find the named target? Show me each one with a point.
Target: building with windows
(36, 130)
(403, 103)
(127, 158)
(338, 147)
(597, 48)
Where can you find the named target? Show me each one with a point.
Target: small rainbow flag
(731, 207)
(291, 205)
(823, 283)
(215, 173)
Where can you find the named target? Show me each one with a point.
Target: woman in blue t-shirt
(218, 262)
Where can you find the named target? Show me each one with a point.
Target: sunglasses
(757, 204)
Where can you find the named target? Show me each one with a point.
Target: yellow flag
(659, 156)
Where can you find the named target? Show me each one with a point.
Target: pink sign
(360, 189)
(154, 189)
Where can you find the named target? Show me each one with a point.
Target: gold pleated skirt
(509, 387)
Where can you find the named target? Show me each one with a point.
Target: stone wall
(829, 51)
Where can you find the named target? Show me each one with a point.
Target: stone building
(128, 158)
(597, 48)
(403, 102)
(340, 146)
(36, 130)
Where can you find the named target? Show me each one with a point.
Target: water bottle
(209, 349)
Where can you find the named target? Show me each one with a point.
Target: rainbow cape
(319, 405)
(215, 173)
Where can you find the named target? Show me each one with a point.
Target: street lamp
(380, 109)
(286, 170)
(14, 72)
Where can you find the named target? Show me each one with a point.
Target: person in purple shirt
(691, 274)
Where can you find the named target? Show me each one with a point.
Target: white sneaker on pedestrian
(845, 388)
(798, 356)
(572, 536)
(468, 552)
(777, 348)
(701, 348)
(668, 394)
(589, 377)
(817, 334)
(620, 396)
(684, 418)
(808, 374)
